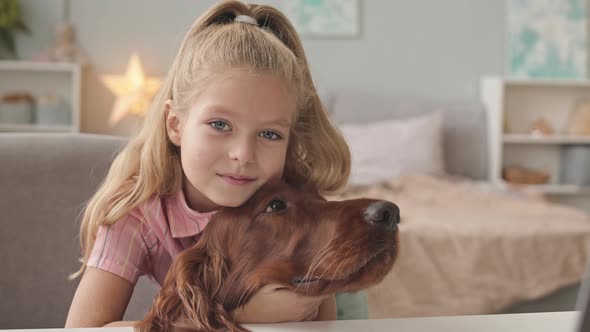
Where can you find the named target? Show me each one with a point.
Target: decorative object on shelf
(134, 91)
(52, 110)
(547, 38)
(10, 23)
(523, 175)
(17, 108)
(541, 128)
(579, 121)
(575, 167)
(65, 46)
(324, 18)
(506, 128)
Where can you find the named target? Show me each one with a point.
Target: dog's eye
(275, 205)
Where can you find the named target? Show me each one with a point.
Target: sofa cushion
(46, 182)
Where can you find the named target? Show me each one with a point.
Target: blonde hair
(149, 164)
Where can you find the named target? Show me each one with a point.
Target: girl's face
(233, 138)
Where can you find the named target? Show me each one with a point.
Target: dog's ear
(189, 299)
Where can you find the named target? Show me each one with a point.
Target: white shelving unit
(41, 78)
(555, 139)
(521, 102)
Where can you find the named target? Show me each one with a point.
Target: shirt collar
(186, 222)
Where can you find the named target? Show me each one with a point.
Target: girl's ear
(173, 128)
(189, 299)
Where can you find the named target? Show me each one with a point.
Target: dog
(281, 235)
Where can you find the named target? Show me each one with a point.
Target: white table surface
(537, 322)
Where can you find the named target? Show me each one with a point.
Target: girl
(237, 109)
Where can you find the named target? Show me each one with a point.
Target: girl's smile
(237, 179)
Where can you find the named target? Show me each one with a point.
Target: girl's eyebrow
(284, 123)
(218, 109)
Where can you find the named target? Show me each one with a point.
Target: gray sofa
(46, 180)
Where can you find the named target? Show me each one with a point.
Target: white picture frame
(324, 18)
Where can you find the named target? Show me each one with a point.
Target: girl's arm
(327, 310)
(275, 304)
(101, 298)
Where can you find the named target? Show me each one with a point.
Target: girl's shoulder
(167, 215)
(149, 221)
(155, 208)
(161, 211)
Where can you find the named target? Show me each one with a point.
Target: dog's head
(281, 235)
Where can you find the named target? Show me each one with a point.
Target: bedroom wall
(425, 48)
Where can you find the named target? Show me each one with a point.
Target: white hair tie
(245, 19)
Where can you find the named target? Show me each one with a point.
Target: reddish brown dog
(282, 235)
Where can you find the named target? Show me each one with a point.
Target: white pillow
(390, 148)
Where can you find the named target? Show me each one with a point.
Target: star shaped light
(134, 91)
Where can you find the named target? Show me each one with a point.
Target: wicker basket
(522, 175)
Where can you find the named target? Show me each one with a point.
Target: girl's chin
(230, 199)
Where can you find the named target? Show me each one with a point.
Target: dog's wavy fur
(312, 246)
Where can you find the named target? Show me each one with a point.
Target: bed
(467, 247)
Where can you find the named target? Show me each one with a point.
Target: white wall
(426, 48)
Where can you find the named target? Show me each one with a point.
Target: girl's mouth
(237, 180)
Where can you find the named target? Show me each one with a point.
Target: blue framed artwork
(324, 18)
(547, 38)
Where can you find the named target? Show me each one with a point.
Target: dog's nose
(382, 213)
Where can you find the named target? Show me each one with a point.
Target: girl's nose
(243, 150)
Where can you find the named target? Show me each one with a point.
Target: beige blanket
(467, 249)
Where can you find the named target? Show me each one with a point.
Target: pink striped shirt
(145, 241)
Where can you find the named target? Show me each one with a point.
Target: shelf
(34, 128)
(37, 66)
(519, 103)
(554, 189)
(37, 78)
(551, 83)
(554, 139)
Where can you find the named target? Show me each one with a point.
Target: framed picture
(324, 18)
(547, 38)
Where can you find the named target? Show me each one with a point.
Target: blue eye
(270, 135)
(219, 125)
